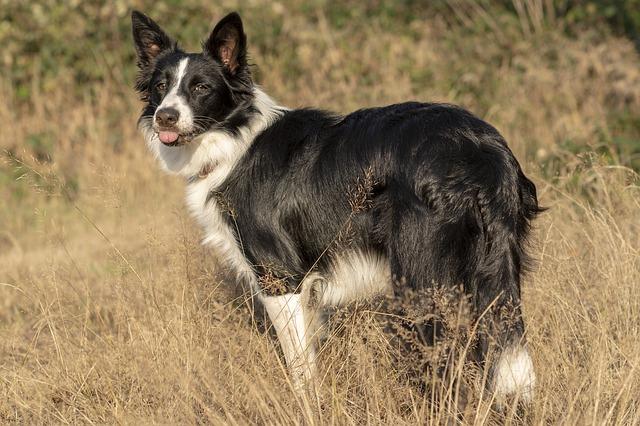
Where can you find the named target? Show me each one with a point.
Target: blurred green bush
(51, 42)
(74, 46)
(622, 16)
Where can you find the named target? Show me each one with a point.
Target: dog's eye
(161, 87)
(200, 88)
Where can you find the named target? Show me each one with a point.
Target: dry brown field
(111, 311)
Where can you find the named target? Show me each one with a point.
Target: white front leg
(287, 314)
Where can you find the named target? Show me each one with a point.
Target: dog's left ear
(228, 43)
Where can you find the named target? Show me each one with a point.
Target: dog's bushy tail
(505, 210)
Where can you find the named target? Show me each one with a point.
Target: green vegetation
(80, 46)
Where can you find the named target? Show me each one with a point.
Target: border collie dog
(312, 210)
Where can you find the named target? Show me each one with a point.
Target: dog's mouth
(171, 137)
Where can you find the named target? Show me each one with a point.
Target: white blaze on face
(173, 100)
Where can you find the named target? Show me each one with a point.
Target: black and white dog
(312, 209)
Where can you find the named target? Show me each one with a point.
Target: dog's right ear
(149, 39)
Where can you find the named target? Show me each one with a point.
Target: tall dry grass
(111, 312)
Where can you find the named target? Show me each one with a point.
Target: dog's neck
(213, 155)
(206, 169)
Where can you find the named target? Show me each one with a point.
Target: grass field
(111, 312)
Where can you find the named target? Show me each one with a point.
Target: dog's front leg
(287, 314)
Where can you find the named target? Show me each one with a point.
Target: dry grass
(111, 312)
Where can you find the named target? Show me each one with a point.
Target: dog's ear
(149, 39)
(227, 43)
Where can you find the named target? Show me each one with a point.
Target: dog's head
(188, 94)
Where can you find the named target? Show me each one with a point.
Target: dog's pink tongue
(168, 137)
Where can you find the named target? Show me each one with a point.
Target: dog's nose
(167, 117)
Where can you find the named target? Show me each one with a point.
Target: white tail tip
(514, 375)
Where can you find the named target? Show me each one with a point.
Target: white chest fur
(218, 234)
(219, 151)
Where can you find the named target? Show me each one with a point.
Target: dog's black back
(441, 196)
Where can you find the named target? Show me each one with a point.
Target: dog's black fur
(432, 188)
(446, 201)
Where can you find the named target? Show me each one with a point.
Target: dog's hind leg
(291, 320)
(473, 247)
